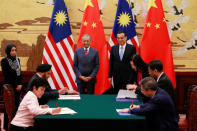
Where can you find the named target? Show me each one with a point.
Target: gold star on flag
(88, 3)
(85, 23)
(164, 19)
(151, 4)
(93, 25)
(157, 26)
(148, 24)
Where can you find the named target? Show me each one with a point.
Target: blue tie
(121, 52)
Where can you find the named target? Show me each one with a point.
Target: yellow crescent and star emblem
(124, 19)
(60, 18)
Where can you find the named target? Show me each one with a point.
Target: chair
(192, 113)
(184, 123)
(9, 100)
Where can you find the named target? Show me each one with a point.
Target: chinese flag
(155, 42)
(92, 25)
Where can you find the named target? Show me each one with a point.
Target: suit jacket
(49, 93)
(86, 65)
(165, 83)
(160, 112)
(121, 70)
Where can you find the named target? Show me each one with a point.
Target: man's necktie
(86, 52)
(121, 52)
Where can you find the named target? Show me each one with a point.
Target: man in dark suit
(159, 110)
(44, 71)
(155, 69)
(119, 64)
(86, 65)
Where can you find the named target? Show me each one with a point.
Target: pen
(132, 104)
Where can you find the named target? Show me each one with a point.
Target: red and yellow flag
(92, 25)
(155, 42)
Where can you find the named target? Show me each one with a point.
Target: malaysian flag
(59, 48)
(124, 22)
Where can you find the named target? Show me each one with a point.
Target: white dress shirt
(159, 76)
(87, 49)
(28, 109)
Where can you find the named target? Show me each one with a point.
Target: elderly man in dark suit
(86, 65)
(119, 64)
(44, 71)
(160, 110)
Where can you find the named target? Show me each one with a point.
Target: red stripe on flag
(52, 75)
(65, 65)
(62, 62)
(55, 65)
(70, 41)
(135, 44)
(114, 39)
(66, 52)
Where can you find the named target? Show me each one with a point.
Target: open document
(69, 97)
(126, 94)
(123, 114)
(65, 110)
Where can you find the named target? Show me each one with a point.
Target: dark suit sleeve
(51, 93)
(95, 70)
(144, 109)
(75, 65)
(111, 63)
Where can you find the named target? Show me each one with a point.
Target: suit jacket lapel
(117, 52)
(125, 51)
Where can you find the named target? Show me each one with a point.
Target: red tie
(86, 52)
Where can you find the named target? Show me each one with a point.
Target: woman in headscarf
(11, 69)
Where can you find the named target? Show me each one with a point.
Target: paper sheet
(65, 110)
(69, 97)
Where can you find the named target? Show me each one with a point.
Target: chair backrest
(192, 113)
(9, 100)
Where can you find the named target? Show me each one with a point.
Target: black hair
(37, 83)
(119, 32)
(156, 64)
(149, 83)
(138, 62)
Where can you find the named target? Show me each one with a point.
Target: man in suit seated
(86, 65)
(159, 110)
(119, 64)
(44, 71)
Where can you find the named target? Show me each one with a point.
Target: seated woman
(29, 107)
(141, 69)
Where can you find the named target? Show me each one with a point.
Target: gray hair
(149, 83)
(87, 36)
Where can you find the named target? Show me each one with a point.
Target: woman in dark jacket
(11, 69)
